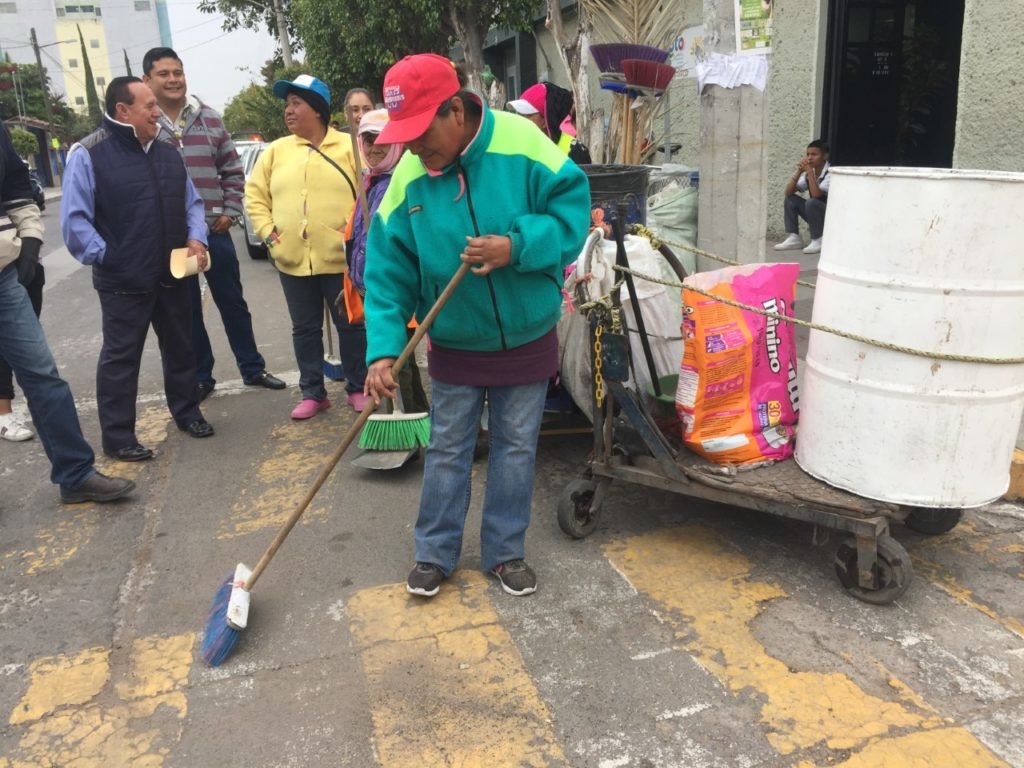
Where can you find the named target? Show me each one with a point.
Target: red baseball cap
(413, 90)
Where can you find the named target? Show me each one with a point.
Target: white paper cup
(183, 265)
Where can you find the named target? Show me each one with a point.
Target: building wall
(71, 53)
(136, 29)
(991, 92)
(125, 24)
(15, 29)
(795, 69)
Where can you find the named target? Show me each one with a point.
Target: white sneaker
(11, 429)
(814, 246)
(791, 243)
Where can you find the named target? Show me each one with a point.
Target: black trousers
(126, 321)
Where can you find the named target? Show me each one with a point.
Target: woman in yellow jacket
(299, 198)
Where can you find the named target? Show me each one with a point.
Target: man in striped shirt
(198, 132)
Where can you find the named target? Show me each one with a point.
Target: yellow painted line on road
(292, 456)
(937, 575)
(703, 589)
(58, 681)
(67, 720)
(447, 684)
(152, 425)
(55, 546)
(959, 749)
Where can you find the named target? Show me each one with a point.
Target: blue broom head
(219, 638)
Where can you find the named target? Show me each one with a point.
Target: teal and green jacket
(511, 180)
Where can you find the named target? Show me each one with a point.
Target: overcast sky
(218, 64)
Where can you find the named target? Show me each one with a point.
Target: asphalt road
(677, 634)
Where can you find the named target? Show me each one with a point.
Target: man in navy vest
(127, 203)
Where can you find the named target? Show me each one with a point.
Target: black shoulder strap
(339, 169)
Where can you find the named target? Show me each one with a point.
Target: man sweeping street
(197, 131)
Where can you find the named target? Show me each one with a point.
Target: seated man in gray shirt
(812, 177)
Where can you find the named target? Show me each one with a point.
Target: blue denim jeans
(810, 210)
(305, 297)
(514, 416)
(225, 281)
(24, 347)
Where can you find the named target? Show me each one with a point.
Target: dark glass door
(891, 77)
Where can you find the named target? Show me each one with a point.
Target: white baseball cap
(522, 107)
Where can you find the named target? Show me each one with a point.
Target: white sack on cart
(661, 307)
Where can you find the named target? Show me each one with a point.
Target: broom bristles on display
(395, 432)
(219, 637)
(648, 74)
(609, 56)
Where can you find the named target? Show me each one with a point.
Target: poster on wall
(687, 50)
(753, 26)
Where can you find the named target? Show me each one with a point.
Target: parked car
(37, 190)
(249, 152)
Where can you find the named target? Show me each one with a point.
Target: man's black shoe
(98, 487)
(264, 379)
(205, 388)
(198, 428)
(135, 452)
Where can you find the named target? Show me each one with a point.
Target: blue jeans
(305, 297)
(24, 347)
(225, 283)
(514, 416)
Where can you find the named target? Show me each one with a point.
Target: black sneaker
(424, 580)
(516, 577)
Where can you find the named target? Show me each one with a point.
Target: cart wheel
(892, 572)
(577, 513)
(933, 521)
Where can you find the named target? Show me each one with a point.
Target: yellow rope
(827, 329)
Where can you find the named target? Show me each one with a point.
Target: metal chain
(827, 329)
(598, 365)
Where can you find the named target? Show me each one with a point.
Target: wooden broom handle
(354, 430)
(360, 192)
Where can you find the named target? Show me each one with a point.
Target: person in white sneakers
(812, 177)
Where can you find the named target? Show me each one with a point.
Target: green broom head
(395, 432)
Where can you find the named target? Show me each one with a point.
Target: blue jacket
(511, 180)
(126, 206)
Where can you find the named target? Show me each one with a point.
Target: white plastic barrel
(934, 260)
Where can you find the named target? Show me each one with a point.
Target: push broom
(229, 614)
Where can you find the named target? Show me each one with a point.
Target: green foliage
(28, 82)
(350, 43)
(92, 100)
(25, 143)
(256, 108)
(250, 14)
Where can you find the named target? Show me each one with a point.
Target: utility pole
(282, 34)
(42, 79)
(46, 100)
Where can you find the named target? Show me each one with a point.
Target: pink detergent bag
(737, 395)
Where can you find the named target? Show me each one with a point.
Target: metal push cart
(629, 447)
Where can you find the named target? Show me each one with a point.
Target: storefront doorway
(892, 68)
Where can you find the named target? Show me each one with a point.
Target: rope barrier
(723, 259)
(826, 329)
